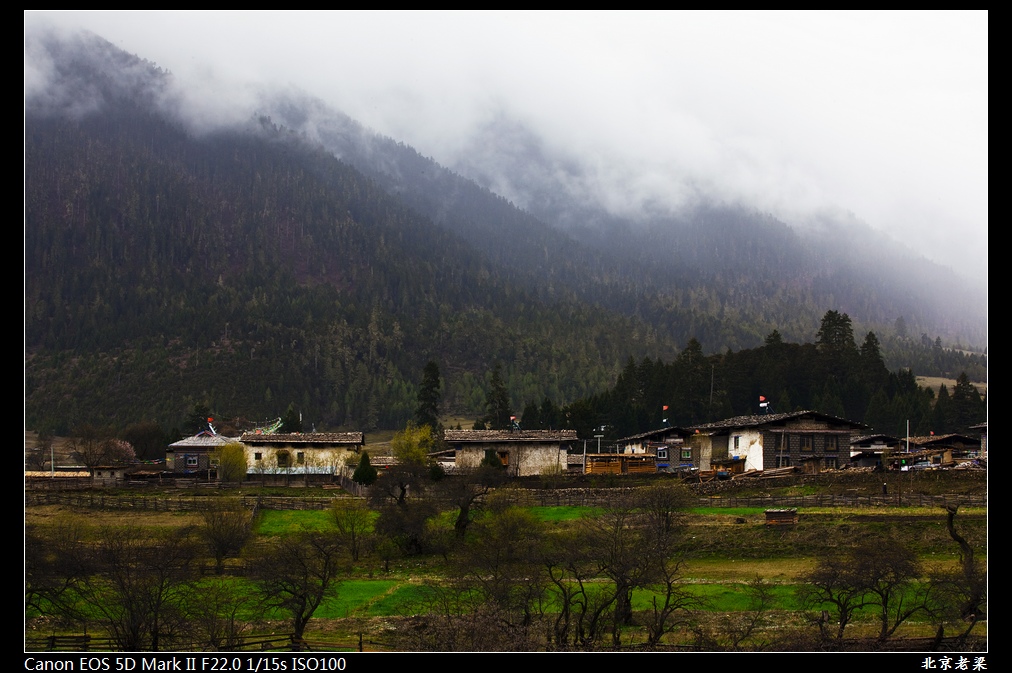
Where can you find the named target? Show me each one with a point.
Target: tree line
(833, 375)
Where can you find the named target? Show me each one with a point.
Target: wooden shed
(781, 517)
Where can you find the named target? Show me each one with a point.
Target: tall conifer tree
(427, 412)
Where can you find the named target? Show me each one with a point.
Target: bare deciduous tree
(227, 527)
(738, 631)
(138, 586)
(833, 581)
(353, 521)
(94, 446)
(888, 570)
(875, 572)
(958, 600)
(218, 615)
(57, 562)
(295, 574)
(466, 490)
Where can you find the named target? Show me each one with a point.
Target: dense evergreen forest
(833, 375)
(249, 269)
(722, 273)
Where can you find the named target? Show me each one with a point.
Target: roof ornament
(268, 429)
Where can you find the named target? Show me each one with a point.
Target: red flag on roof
(664, 408)
(762, 398)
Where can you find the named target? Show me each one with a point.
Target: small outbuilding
(782, 517)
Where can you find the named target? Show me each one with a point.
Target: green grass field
(723, 549)
(286, 522)
(565, 513)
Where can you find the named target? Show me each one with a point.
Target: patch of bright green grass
(354, 596)
(403, 600)
(727, 511)
(286, 522)
(735, 597)
(565, 513)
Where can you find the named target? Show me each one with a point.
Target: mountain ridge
(250, 267)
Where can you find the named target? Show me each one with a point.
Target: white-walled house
(299, 453)
(767, 441)
(522, 452)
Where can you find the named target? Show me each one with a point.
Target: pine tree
(836, 334)
(941, 414)
(427, 412)
(365, 473)
(967, 406)
(498, 402)
(292, 420)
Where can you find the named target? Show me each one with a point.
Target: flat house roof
(508, 436)
(869, 439)
(655, 433)
(758, 420)
(294, 438)
(46, 474)
(952, 439)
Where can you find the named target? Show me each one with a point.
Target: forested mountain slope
(722, 273)
(298, 258)
(250, 269)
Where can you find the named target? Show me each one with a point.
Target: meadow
(727, 557)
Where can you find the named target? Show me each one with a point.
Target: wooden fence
(166, 503)
(608, 497)
(273, 642)
(581, 497)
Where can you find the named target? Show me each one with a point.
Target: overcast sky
(883, 115)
